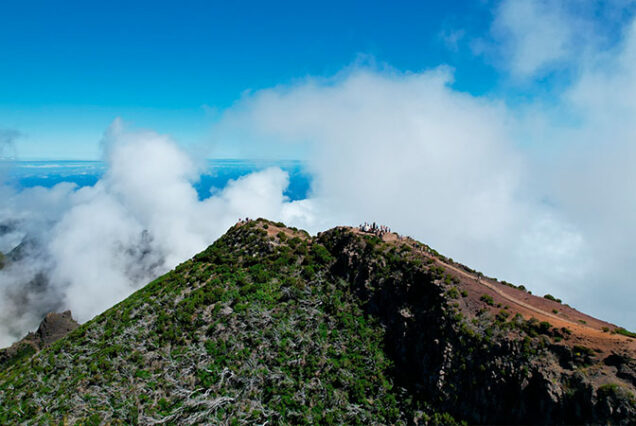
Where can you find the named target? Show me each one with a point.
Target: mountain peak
(53, 327)
(352, 325)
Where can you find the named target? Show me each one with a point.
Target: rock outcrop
(487, 367)
(53, 327)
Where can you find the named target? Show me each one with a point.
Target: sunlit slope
(270, 324)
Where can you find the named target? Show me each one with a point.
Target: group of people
(423, 248)
(242, 221)
(378, 230)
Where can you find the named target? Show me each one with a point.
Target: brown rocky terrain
(53, 327)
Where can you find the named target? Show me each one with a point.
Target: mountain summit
(355, 325)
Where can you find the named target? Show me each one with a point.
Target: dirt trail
(484, 282)
(578, 325)
(585, 331)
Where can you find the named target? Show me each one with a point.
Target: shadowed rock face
(470, 365)
(53, 327)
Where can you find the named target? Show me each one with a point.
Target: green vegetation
(550, 297)
(533, 327)
(624, 332)
(487, 299)
(264, 332)
(615, 391)
(453, 293)
(24, 351)
(289, 329)
(518, 287)
(582, 350)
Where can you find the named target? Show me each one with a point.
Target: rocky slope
(271, 325)
(53, 327)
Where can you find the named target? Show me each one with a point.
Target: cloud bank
(445, 167)
(86, 249)
(539, 193)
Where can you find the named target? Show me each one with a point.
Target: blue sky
(69, 68)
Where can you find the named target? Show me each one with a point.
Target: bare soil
(585, 330)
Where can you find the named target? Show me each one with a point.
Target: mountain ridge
(271, 324)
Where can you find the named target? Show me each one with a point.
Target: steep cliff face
(481, 364)
(271, 325)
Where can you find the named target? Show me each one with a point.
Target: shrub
(624, 332)
(142, 374)
(544, 327)
(502, 316)
(453, 293)
(533, 327)
(487, 299)
(584, 350)
(321, 254)
(615, 391)
(550, 297)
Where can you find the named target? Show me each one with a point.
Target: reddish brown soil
(586, 330)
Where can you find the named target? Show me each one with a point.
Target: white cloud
(594, 180)
(541, 195)
(468, 175)
(535, 34)
(406, 150)
(452, 37)
(97, 244)
(534, 38)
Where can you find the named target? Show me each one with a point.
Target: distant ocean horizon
(215, 176)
